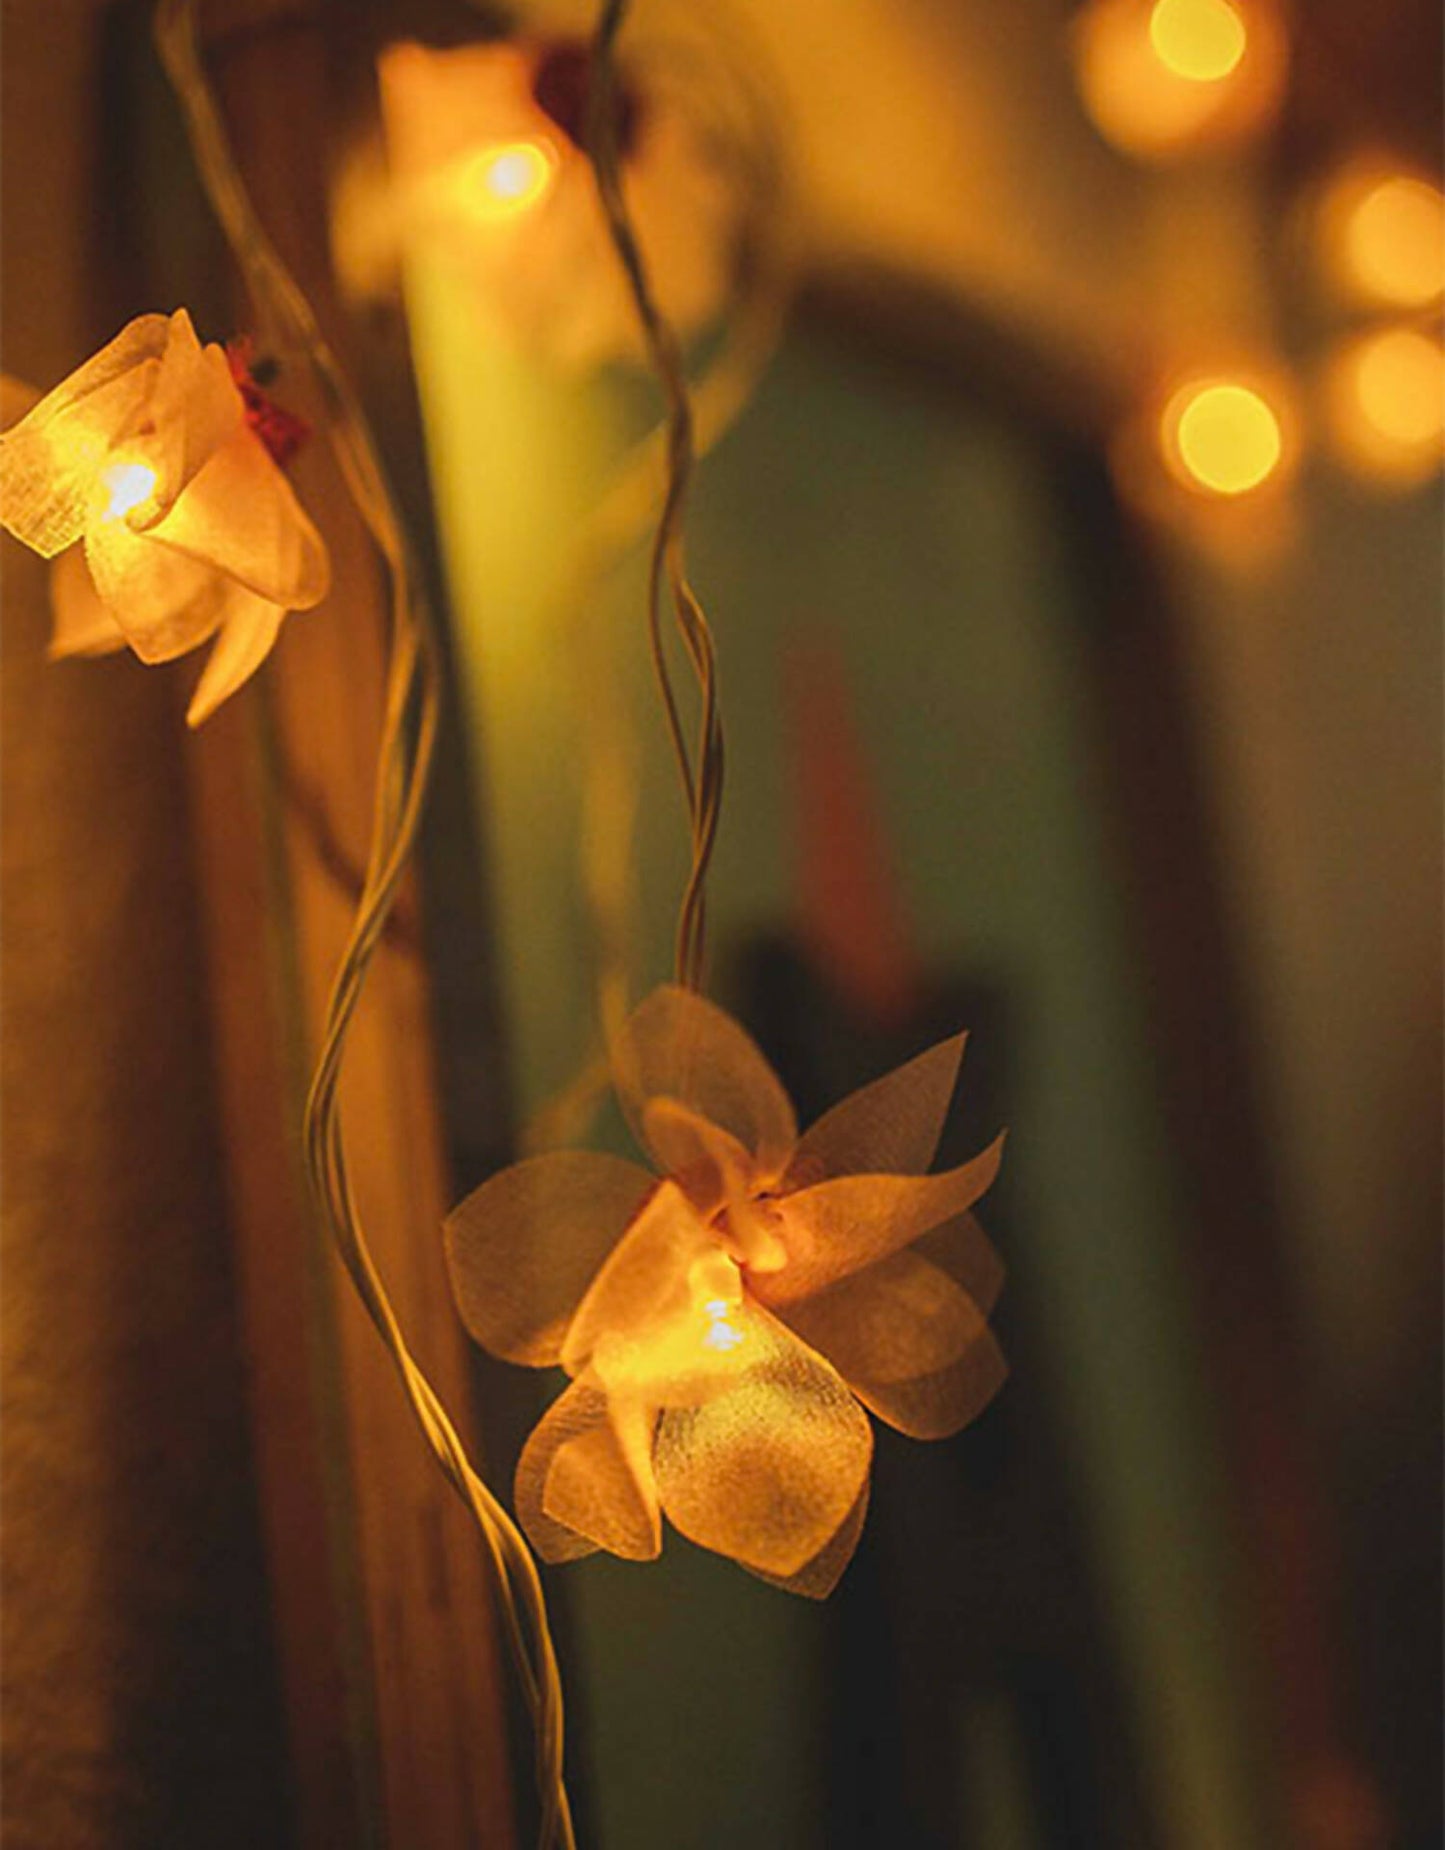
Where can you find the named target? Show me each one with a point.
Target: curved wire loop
(405, 756)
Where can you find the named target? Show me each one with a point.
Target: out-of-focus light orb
(506, 180)
(1386, 400)
(1222, 437)
(1161, 78)
(1393, 237)
(128, 485)
(1202, 40)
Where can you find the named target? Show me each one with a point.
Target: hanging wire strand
(723, 84)
(407, 741)
(700, 767)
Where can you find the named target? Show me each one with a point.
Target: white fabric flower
(188, 529)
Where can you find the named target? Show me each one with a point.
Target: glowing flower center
(719, 1333)
(129, 485)
(717, 1294)
(507, 179)
(1201, 40)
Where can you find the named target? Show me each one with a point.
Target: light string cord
(753, 330)
(407, 742)
(700, 769)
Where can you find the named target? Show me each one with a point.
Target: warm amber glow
(1387, 403)
(1201, 40)
(1394, 241)
(1222, 436)
(506, 179)
(129, 484)
(720, 1334)
(1159, 79)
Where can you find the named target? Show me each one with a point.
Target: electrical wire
(405, 755)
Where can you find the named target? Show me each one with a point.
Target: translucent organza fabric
(544, 274)
(726, 1323)
(189, 532)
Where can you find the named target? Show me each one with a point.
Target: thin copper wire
(700, 768)
(408, 738)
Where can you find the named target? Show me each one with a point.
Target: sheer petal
(890, 1127)
(165, 602)
(839, 1226)
(50, 460)
(768, 1472)
(246, 639)
(584, 1479)
(239, 515)
(524, 1247)
(961, 1248)
(82, 624)
(677, 1046)
(908, 1340)
(817, 1578)
(643, 1290)
(195, 408)
(707, 1163)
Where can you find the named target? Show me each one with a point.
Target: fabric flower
(722, 1324)
(484, 144)
(190, 531)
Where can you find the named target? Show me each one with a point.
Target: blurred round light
(1202, 40)
(1222, 437)
(1164, 77)
(1387, 403)
(1394, 241)
(507, 179)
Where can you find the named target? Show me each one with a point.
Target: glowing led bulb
(507, 179)
(1201, 40)
(720, 1334)
(1222, 436)
(716, 1287)
(129, 484)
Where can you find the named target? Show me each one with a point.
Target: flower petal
(908, 1340)
(524, 1247)
(677, 1046)
(82, 624)
(584, 1479)
(768, 1472)
(246, 639)
(890, 1127)
(643, 1289)
(817, 1578)
(165, 602)
(840, 1226)
(238, 514)
(50, 460)
(195, 409)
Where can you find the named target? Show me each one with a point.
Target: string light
(1382, 233)
(1385, 395)
(1222, 436)
(129, 485)
(1201, 40)
(1164, 78)
(504, 181)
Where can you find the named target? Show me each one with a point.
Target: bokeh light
(1388, 236)
(1385, 397)
(1222, 437)
(1202, 40)
(1166, 77)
